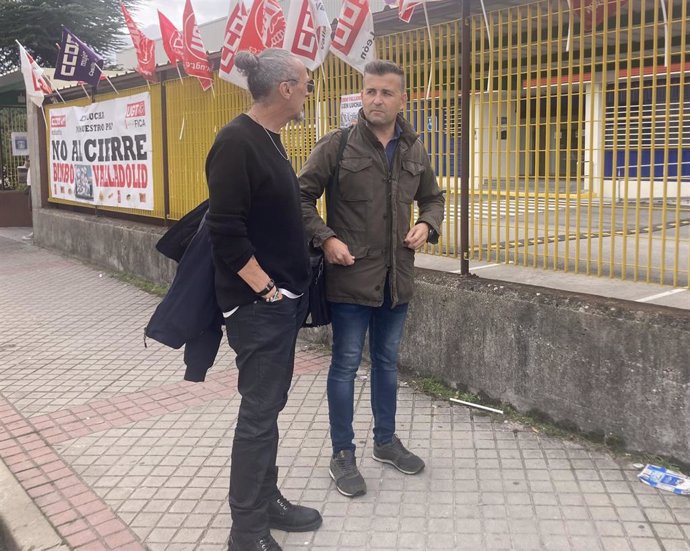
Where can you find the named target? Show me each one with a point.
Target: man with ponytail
(262, 275)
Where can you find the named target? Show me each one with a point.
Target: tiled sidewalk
(119, 453)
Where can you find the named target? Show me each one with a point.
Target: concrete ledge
(22, 526)
(114, 244)
(603, 366)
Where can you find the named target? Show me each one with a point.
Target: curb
(22, 525)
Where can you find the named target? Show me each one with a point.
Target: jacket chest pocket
(408, 181)
(354, 198)
(355, 181)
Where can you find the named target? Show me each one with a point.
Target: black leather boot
(283, 515)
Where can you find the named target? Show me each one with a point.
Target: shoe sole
(305, 528)
(345, 493)
(390, 462)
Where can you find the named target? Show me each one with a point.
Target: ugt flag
(308, 32)
(143, 45)
(172, 39)
(37, 86)
(77, 61)
(353, 41)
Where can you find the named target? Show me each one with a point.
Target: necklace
(283, 155)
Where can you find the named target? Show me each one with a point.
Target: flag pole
(433, 52)
(319, 118)
(177, 66)
(84, 88)
(667, 49)
(182, 129)
(570, 27)
(489, 81)
(108, 79)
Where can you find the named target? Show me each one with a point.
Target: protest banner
(101, 154)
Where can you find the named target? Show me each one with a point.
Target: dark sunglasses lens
(310, 86)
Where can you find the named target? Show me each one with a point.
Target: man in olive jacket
(369, 246)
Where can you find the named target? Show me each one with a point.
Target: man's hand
(336, 252)
(417, 236)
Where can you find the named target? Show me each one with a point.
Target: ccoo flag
(353, 41)
(308, 32)
(234, 29)
(77, 61)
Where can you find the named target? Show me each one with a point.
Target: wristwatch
(270, 285)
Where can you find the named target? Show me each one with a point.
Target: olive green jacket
(370, 210)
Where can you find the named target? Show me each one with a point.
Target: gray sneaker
(395, 454)
(344, 472)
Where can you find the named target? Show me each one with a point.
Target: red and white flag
(172, 39)
(593, 12)
(273, 27)
(308, 32)
(264, 28)
(234, 29)
(37, 85)
(353, 41)
(144, 46)
(406, 9)
(195, 58)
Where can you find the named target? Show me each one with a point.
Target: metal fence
(579, 155)
(580, 151)
(12, 119)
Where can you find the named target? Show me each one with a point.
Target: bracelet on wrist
(269, 286)
(274, 296)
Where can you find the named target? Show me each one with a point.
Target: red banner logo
(58, 121)
(135, 110)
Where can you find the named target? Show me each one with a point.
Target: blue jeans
(350, 323)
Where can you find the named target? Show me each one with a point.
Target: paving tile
(119, 453)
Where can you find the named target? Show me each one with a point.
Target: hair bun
(247, 62)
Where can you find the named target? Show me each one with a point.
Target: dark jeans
(263, 336)
(350, 323)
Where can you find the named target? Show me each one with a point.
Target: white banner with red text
(101, 154)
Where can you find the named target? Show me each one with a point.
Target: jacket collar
(407, 135)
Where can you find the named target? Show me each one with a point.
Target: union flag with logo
(308, 32)
(234, 29)
(353, 40)
(144, 47)
(264, 28)
(195, 58)
(172, 39)
(37, 85)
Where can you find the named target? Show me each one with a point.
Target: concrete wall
(604, 366)
(600, 365)
(112, 244)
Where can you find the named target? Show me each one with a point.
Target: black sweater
(254, 209)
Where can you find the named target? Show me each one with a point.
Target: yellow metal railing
(580, 159)
(579, 152)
